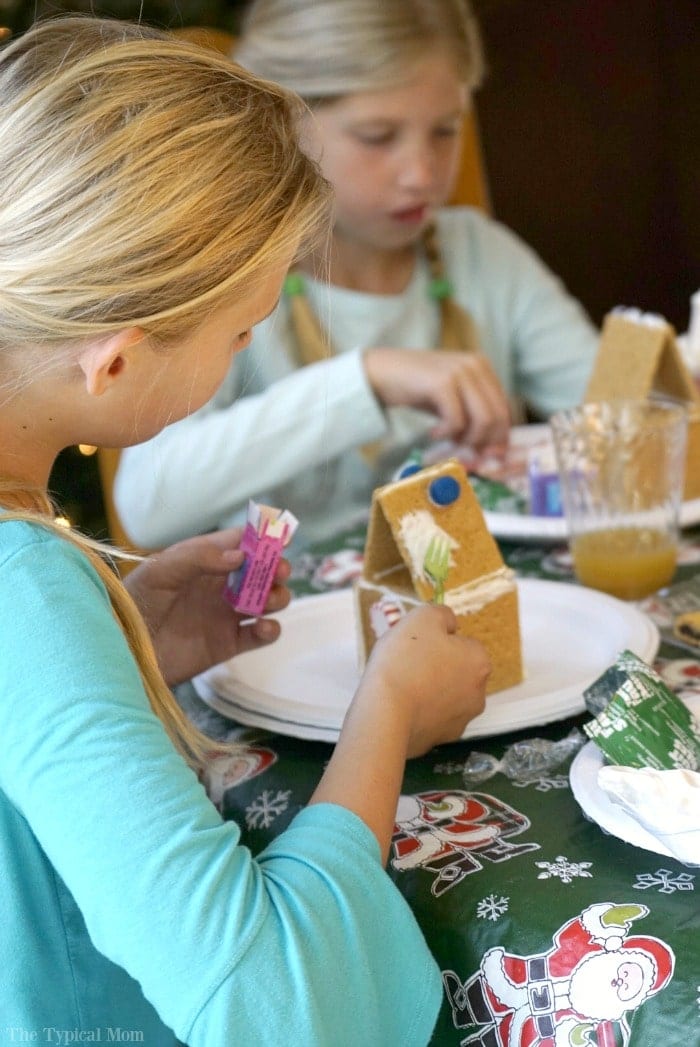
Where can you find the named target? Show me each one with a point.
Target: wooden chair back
(471, 186)
(207, 36)
(107, 465)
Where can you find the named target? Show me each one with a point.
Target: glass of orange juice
(621, 473)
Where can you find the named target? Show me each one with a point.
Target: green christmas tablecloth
(548, 931)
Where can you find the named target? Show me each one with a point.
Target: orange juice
(629, 562)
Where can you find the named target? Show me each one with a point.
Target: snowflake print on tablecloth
(266, 808)
(545, 785)
(492, 908)
(665, 881)
(562, 869)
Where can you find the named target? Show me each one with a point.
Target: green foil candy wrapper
(643, 724)
(496, 497)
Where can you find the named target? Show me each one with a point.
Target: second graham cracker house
(431, 517)
(638, 357)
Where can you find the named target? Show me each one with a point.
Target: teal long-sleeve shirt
(127, 903)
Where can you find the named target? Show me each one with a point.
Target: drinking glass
(621, 471)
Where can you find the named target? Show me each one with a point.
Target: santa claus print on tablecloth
(581, 992)
(453, 833)
(228, 767)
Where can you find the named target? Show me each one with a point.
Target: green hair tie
(440, 287)
(293, 284)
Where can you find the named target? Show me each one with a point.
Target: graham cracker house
(638, 356)
(428, 542)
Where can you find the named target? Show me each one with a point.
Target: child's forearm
(420, 687)
(366, 769)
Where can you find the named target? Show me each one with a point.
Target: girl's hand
(462, 389)
(433, 679)
(179, 593)
(422, 684)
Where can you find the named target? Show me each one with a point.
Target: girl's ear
(104, 361)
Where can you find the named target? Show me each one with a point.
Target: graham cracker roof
(389, 560)
(638, 355)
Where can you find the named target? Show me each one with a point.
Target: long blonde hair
(324, 49)
(145, 182)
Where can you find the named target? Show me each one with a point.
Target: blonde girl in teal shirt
(153, 197)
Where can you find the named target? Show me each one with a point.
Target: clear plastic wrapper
(523, 762)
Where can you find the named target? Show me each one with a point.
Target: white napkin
(666, 803)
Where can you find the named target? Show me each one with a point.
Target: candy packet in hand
(267, 532)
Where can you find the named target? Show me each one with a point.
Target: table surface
(547, 930)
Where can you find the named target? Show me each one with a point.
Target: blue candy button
(444, 491)
(409, 470)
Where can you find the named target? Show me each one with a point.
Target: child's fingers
(449, 621)
(278, 598)
(257, 633)
(284, 569)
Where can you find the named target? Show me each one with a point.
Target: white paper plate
(513, 526)
(527, 528)
(583, 776)
(302, 684)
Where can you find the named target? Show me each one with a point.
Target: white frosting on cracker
(471, 597)
(416, 529)
(636, 316)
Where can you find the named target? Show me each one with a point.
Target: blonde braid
(311, 342)
(32, 505)
(457, 329)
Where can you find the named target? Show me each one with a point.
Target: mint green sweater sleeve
(308, 944)
(267, 423)
(295, 437)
